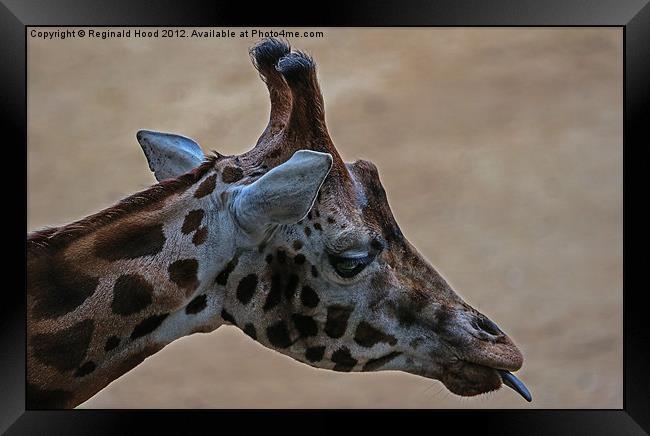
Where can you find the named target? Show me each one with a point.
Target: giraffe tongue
(515, 384)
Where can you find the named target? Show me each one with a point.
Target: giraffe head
(321, 271)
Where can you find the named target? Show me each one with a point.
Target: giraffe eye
(348, 267)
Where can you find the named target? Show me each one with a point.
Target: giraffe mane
(41, 240)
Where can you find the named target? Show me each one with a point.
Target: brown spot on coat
(275, 293)
(206, 187)
(228, 317)
(200, 236)
(367, 336)
(232, 174)
(129, 241)
(131, 294)
(246, 288)
(249, 329)
(111, 343)
(278, 334)
(66, 348)
(305, 325)
(315, 354)
(337, 320)
(309, 297)
(57, 288)
(85, 369)
(408, 309)
(183, 273)
(443, 316)
(148, 325)
(222, 277)
(197, 304)
(343, 360)
(375, 364)
(292, 285)
(192, 221)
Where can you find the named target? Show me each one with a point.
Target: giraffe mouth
(502, 366)
(467, 378)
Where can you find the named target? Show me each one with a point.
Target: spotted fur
(206, 187)
(192, 221)
(65, 349)
(130, 241)
(232, 174)
(131, 294)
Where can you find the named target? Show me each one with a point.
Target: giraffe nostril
(486, 325)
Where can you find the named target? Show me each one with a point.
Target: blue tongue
(515, 384)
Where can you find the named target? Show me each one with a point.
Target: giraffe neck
(100, 302)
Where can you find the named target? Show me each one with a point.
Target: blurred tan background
(500, 150)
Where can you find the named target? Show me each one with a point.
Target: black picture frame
(633, 16)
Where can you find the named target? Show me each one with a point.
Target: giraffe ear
(285, 194)
(169, 155)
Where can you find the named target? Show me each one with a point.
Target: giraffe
(297, 248)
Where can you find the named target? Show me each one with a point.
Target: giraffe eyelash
(349, 266)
